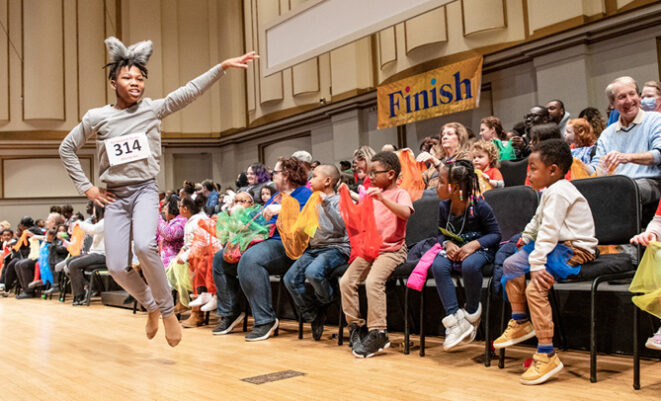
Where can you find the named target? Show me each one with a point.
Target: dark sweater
(481, 221)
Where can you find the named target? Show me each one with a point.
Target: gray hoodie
(331, 231)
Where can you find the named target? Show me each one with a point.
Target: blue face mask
(648, 103)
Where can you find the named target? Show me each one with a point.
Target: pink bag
(418, 276)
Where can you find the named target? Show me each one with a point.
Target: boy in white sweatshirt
(563, 228)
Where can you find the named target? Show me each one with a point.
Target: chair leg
(407, 347)
(501, 354)
(636, 355)
(593, 327)
(277, 306)
(422, 322)
(556, 311)
(135, 306)
(487, 330)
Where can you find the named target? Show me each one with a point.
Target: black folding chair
(514, 172)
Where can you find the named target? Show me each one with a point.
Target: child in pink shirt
(392, 209)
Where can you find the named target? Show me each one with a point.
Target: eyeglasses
(276, 172)
(373, 174)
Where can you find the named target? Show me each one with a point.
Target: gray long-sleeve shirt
(143, 117)
(331, 231)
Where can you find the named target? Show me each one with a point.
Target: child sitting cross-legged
(558, 239)
(470, 237)
(329, 248)
(392, 209)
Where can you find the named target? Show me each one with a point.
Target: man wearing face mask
(650, 97)
(632, 145)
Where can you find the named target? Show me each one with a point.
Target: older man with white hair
(632, 146)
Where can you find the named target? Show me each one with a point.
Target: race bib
(127, 148)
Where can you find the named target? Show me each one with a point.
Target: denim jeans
(315, 265)
(253, 270)
(471, 272)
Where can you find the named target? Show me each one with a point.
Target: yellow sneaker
(542, 369)
(514, 334)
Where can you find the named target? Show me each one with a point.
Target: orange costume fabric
(297, 226)
(200, 260)
(359, 220)
(76, 244)
(411, 177)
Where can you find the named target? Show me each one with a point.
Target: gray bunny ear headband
(136, 54)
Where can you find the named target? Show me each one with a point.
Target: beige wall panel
(111, 25)
(483, 15)
(270, 88)
(47, 177)
(170, 59)
(138, 27)
(593, 7)
(387, 41)
(43, 80)
(4, 64)
(193, 61)
(623, 3)
(91, 33)
(426, 29)
(305, 77)
(285, 147)
(543, 13)
(232, 88)
(251, 79)
(14, 210)
(214, 40)
(351, 67)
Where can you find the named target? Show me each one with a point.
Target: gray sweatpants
(134, 216)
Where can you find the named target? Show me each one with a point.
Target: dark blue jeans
(471, 272)
(252, 273)
(315, 265)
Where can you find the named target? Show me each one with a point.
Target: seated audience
(473, 244)
(632, 146)
(491, 130)
(485, 158)
(537, 115)
(170, 232)
(581, 139)
(328, 249)
(392, 209)
(454, 145)
(650, 97)
(95, 256)
(562, 223)
(558, 114)
(593, 116)
(257, 176)
(258, 262)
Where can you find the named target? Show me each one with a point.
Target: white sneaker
(211, 305)
(654, 342)
(474, 320)
(2, 286)
(201, 299)
(456, 329)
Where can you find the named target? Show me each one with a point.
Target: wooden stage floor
(53, 351)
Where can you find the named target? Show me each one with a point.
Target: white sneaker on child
(654, 342)
(201, 299)
(456, 329)
(474, 320)
(211, 305)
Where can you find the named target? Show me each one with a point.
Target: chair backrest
(615, 207)
(424, 222)
(514, 172)
(513, 207)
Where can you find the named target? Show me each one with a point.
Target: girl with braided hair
(470, 235)
(128, 146)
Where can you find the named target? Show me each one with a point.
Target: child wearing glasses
(392, 209)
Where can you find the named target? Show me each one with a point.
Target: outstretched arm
(180, 98)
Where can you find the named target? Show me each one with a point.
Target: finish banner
(445, 90)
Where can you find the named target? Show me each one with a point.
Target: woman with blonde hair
(454, 145)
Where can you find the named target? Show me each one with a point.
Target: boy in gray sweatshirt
(128, 147)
